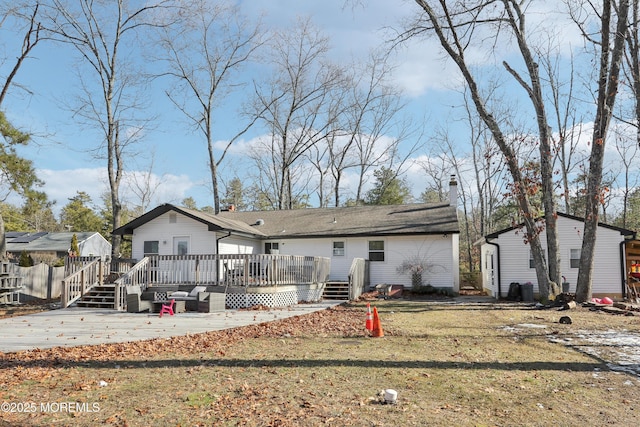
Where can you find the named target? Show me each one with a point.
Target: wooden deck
(238, 272)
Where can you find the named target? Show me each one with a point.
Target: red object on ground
(377, 327)
(167, 308)
(606, 300)
(369, 322)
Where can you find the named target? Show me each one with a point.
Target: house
(387, 236)
(48, 247)
(506, 258)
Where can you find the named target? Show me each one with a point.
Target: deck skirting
(273, 296)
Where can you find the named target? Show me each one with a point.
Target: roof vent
(260, 222)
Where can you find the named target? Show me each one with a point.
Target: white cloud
(61, 185)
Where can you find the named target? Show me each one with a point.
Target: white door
(182, 269)
(181, 245)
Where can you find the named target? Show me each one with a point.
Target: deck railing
(79, 282)
(137, 275)
(236, 270)
(358, 277)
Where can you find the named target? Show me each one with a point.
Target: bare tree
(628, 148)
(104, 34)
(632, 62)
(568, 124)
(295, 102)
(16, 171)
(143, 185)
(205, 52)
(372, 108)
(629, 156)
(613, 24)
(32, 35)
(456, 27)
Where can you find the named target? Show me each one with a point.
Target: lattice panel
(310, 295)
(285, 299)
(236, 300)
(280, 299)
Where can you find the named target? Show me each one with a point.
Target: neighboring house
(385, 235)
(506, 258)
(47, 247)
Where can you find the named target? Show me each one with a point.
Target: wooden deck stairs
(336, 291)
(101, 296)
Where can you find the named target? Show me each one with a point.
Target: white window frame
(376, 251)
(574, 262)
(339, 251)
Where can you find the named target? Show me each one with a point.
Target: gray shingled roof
(388, 220)
(353, 221)
(59, 242)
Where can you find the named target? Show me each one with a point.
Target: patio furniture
(135, 303)
(178, 306)
(167, 308)
(190, 299)
(209, 302)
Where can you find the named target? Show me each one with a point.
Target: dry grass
(463, 365)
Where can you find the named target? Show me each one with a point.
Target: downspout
(218, 253)
(623, 268)
(499, 265)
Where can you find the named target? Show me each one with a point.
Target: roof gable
(622, 231)
(213, 222)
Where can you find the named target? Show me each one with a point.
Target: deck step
(336, 291)
(101, 296)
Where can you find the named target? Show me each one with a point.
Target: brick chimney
(453, 191)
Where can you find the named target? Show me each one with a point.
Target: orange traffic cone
(377, 327)
(369, 322)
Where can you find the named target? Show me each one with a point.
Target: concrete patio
(81, 326)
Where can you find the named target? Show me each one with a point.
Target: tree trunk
(607, 91)
(3, 240)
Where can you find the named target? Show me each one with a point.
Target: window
(531, 262)
(575, 258)
(180, 246)
(151, 247)
(376, 250)
(271, 248)
(338, 248)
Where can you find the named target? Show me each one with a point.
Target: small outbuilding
(47, 247)
(506, 258)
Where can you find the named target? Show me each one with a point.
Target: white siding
(437, 250)
(514, 258)
(96, 245)
(440, 250)
(238, 245)
(201, 241)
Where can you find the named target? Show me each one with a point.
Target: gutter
(499, 265)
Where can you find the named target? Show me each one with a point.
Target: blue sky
(59, 146)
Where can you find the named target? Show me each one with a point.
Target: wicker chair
(209, 302)
(135, 304)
